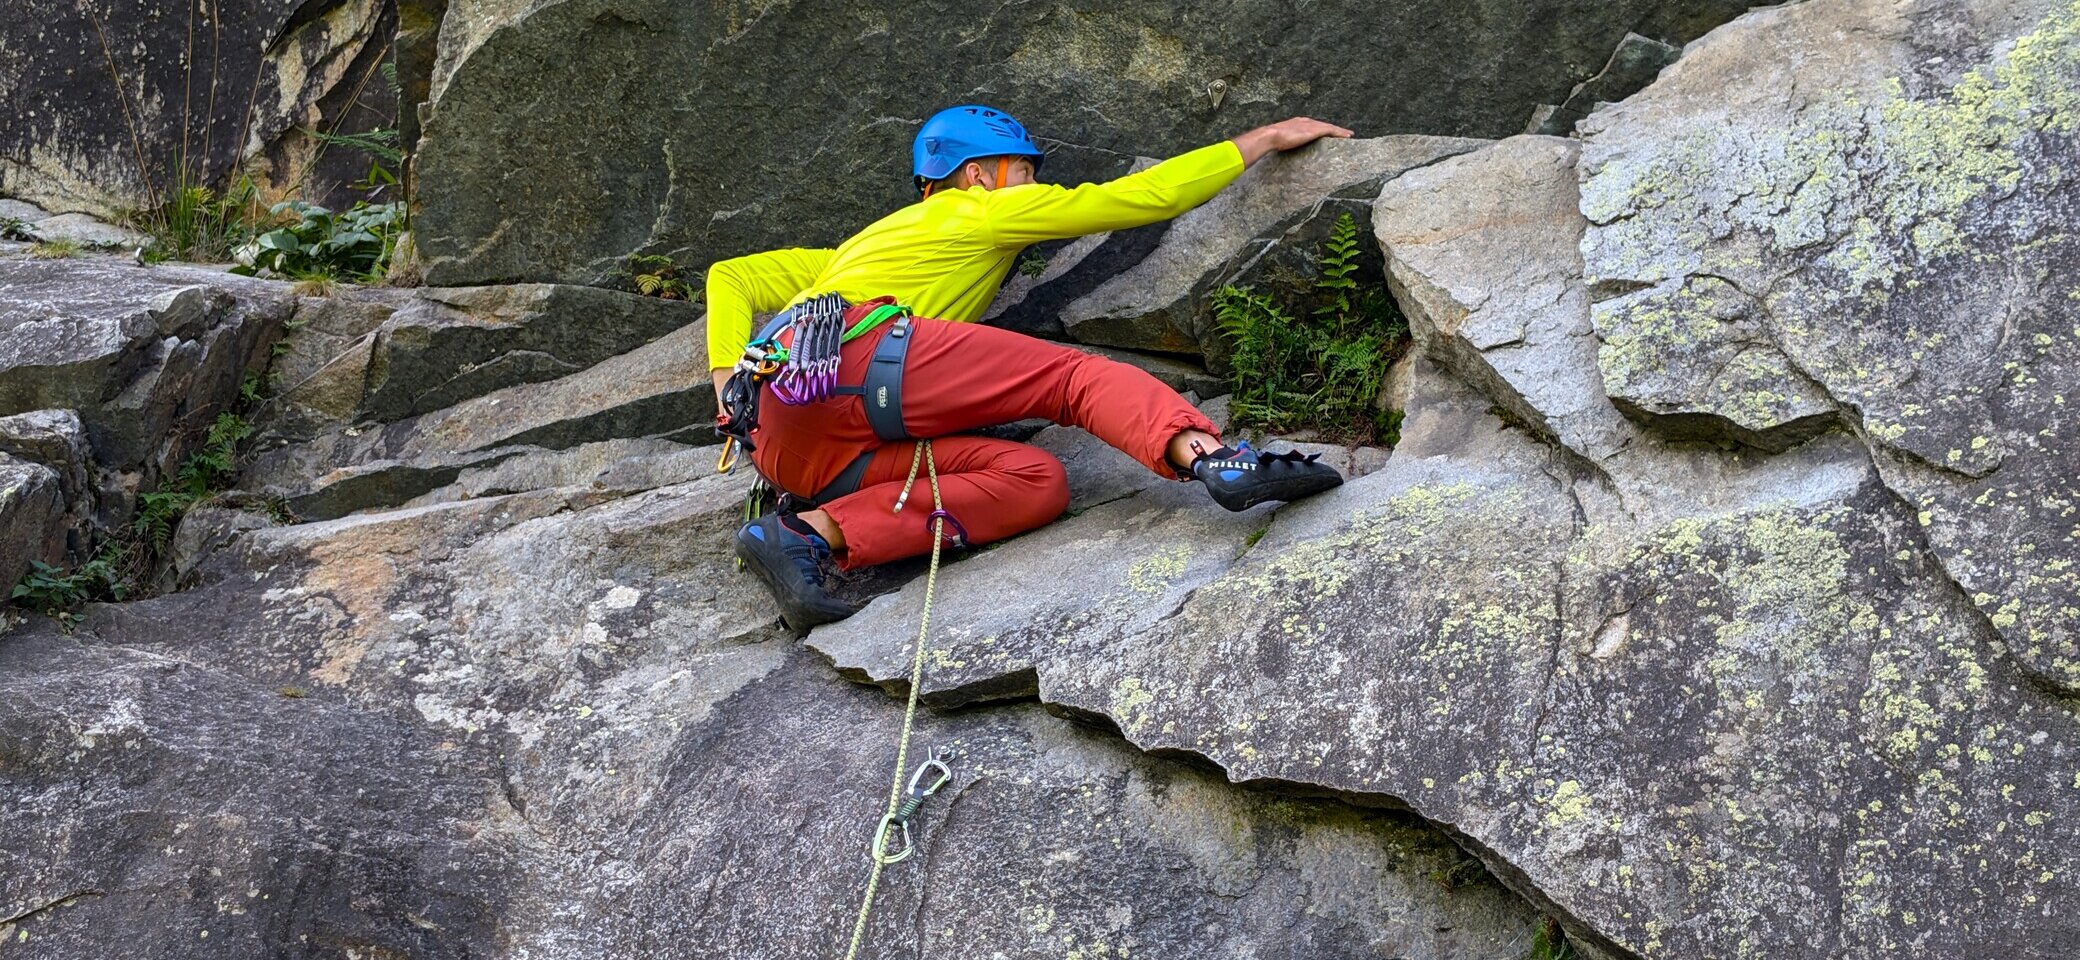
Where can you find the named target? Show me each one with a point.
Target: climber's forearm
(1284, 135)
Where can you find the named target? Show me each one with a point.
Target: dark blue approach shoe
(794, 568)
(1239, 477)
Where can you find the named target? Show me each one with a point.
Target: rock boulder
(1888, 243)
(569, 731)
(116, 106)
(717, 142)
(147, 356)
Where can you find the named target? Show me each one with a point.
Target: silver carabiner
(941, 756)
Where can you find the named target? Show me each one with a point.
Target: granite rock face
(1892, 243)
(143, 354)
(32, 510)
(660, 389)
(520, 726)
(721, 144)
(446, 346)
(378, 356)
(115, 106)
(50, 498)
(1716, 602)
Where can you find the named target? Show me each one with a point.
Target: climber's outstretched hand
(1284, 135)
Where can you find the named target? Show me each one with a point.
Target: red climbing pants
(961, 377)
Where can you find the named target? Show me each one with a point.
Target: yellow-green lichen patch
(1130, 702)
(1921, 161)
(1697, 348)
(1567, 804)
(1851, 217)
(1154, 574)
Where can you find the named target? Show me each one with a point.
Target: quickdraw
(935, 772)
(896, 825)
(810, 370)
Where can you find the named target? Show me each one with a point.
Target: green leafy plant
(354, 244)
(205, 472)
(15, 228)
(128, 559)
(1315, 359)
(1032, 265)
(56, 593)
(653, 275)
(1550, 943)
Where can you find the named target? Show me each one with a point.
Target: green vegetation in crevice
(126, 564)
(55, 249)
(200, 224)
(355, 244)
(204, 472)
(1461, 872)
(1314, 357)
(381, 147)
(200, 215)
(57, 593)
(1032, 265)
(656, 275)
(1550, 943)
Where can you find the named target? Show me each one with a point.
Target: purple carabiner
(960, 533)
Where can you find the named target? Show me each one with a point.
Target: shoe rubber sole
(1288, 489)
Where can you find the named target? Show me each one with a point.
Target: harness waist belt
(882, 389)
(881, 396)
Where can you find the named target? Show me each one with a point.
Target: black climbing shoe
(793, 566)
(1239, 477)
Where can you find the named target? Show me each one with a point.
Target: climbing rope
(879, 855)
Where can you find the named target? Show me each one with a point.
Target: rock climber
(842, 447)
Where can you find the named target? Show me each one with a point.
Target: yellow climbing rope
(922, 455)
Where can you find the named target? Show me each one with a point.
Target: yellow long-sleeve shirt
(945, 256)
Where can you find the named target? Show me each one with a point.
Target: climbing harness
(804, 369)
(935, 772)
(808, 372)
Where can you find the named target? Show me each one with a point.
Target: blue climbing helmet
(956, 135)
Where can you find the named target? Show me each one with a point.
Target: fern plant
(385, 156)
(1315, 359)
(204, 472)
(654, 275)
(1339, 261)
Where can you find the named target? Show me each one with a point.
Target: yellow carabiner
(728, 461)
